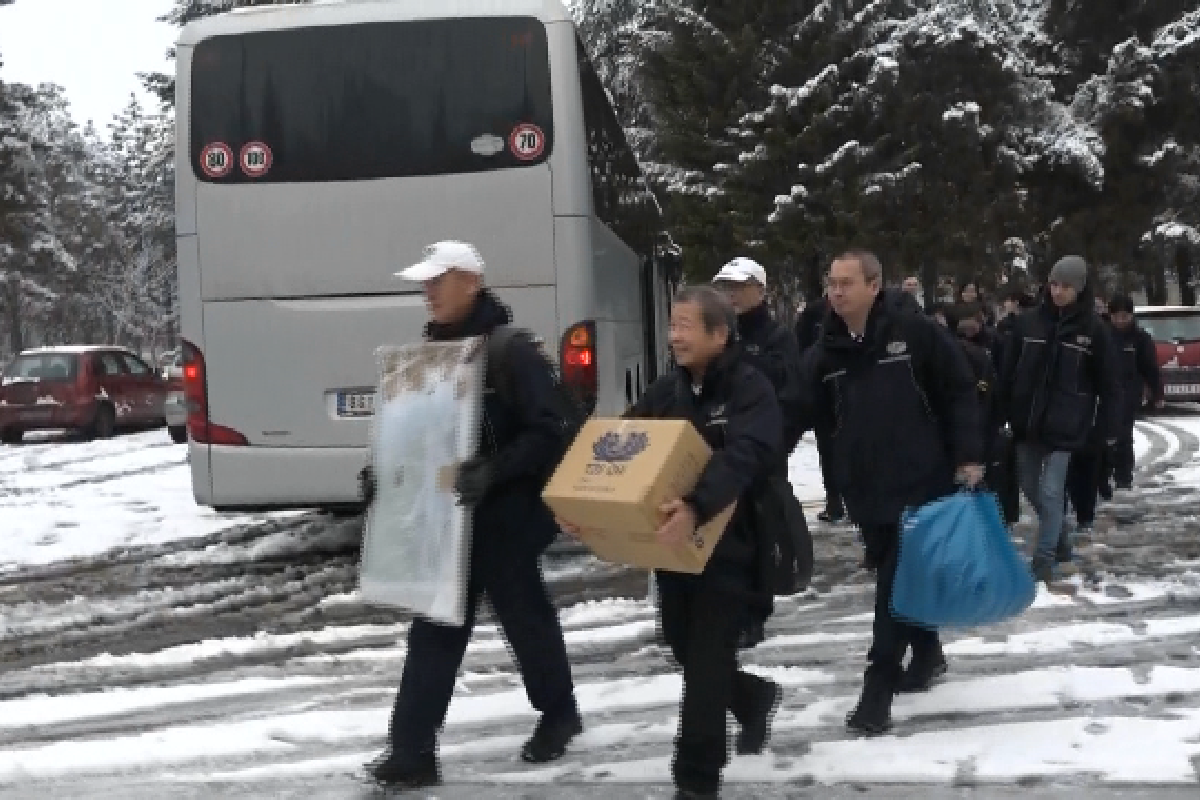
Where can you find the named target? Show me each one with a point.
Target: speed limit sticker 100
(216, 159)
(256, 159)
(527, 142)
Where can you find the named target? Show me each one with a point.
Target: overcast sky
(92, 48)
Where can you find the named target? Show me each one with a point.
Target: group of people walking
(905, 406)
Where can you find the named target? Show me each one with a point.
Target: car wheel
(12, 436)
(178, 433)
(104, 424)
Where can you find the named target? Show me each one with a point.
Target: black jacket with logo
(736, 413)
(1058, 384)
(1137, 367)
(900, 406)
(772, 348)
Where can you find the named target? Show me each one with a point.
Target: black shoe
(1106, 491)
(922, 673)
(752, 635)
(873, 714)
(755, 733)
(407, 771)
(1063, 553)
(550, 738)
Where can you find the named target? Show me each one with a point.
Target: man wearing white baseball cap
(773, 350)
(511, 526)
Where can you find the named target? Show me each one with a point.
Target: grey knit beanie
(1070, 271)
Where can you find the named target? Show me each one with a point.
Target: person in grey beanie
(1058, 381)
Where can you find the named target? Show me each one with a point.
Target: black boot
(752, 634)
(873, 714)
(407, 770)
(923, 670)
(551, 737)
(757, 729)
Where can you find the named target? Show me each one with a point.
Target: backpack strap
(496, 367)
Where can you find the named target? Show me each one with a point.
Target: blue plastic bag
(958, 567)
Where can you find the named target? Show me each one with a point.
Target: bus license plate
(1182, 388)
(355, 404)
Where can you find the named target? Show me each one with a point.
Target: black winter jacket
(900, 407)
(522, 440)
(772, 348)
(1137, 368)
(1059, 384)
(986, 389)
(736, 413)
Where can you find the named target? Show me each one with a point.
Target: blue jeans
(1043, 474)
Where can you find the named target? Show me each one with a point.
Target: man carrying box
(734, 408)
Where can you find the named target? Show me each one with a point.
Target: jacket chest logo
(1083, 341)
(897, 348)
(752, 349)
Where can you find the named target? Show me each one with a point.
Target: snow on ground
(246, 667)
(62, 499)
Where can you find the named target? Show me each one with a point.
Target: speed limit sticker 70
(216, 160)
(527, 142)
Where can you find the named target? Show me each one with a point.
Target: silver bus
(320, 147)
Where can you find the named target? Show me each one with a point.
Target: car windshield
(1183, 327)
(42, 367)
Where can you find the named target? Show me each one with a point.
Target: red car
(1176, 334)
(93, 389)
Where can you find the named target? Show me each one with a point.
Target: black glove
(474, 479)
(366, 485)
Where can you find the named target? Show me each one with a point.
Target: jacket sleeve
(654, 400)
(753, 442)
(1108, 382)
(542, 437)
(1010, 355)
(1147, 366)
(953, 394)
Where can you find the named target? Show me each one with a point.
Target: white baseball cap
(440, 258)
(741, 270)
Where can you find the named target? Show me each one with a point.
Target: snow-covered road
(227, 656)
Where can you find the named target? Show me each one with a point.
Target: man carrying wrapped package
(734, 408)
(511, 527)
(898, 396)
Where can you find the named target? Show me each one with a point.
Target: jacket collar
(486, 315)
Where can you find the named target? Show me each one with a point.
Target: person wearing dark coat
(734, 407)
(809, 326)
(1141, 381)
(511, 528)
(897, 395)
(1060, 393)
(772, 348)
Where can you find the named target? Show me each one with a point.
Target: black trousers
(1083, 484)
(1123, 458)
(701, 625)
(891, 637)
(833, 500)
(512, 579)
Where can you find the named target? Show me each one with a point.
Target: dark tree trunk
(1183, 268)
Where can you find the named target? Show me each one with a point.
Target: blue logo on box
(613, 448)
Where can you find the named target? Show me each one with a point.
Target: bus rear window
(374, 100)
(1180, 327)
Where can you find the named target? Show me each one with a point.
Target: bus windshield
(374, 100)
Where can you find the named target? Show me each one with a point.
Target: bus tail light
(195, 392)
(578, 363)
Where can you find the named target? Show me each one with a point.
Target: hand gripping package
(416, 550)
(613, 481)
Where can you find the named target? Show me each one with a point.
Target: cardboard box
(613, 481)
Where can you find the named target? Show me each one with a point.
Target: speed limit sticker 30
(216, 159)
(527, 142)
(256, 159)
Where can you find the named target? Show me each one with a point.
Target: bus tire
(12, 436)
